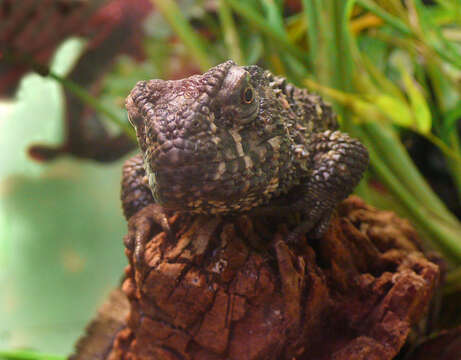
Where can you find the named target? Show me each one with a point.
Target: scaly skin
(234, 139)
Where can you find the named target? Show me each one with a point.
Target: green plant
(398, 73)
(389, 68)
(386, 67)
(27, 355)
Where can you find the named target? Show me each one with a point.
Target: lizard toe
(322, 226)
(141, 228)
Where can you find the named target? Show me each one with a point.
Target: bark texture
(100, 333)
(446, 345)
(232, 289)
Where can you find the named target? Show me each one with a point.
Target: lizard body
(235, 139)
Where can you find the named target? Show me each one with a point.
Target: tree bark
(231, 288)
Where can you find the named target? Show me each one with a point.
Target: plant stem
(231, 36)
(27, 355)
(73, 87)
(260, 23)
(392, 151)
(390, 19)
(181, 26)
(444, 236)
(455, 166)
(96, 105)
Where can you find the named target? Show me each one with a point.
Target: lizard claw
(316, 227)
(322, 226)
(140, 229)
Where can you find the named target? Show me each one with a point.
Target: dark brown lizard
(236, 139)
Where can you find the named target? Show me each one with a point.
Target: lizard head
(203, 138)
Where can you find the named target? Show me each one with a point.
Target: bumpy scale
(232, 140)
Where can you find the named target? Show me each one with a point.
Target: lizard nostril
(195, 125)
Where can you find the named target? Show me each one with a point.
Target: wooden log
(231, 288)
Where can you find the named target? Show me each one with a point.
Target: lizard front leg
(139, 207)
(338, 163)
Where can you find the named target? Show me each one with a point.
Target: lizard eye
(248, 95)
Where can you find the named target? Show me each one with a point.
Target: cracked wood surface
(231, 288)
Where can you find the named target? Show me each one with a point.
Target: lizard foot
(314, 225)
(140, 228)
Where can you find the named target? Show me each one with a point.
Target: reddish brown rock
(233, 289)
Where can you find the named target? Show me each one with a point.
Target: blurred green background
(61, 224)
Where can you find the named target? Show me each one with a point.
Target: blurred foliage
(386, 67)
(61, 225)
(391, 68)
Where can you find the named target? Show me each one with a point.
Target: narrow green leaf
(27, 355)
(254, 48)
(395, 155)
(92, 102)
(257, 21)
(274, 15)
(181, 26)
(453, 165)
(394, 7)
(309, 11)
(363, 62)
(420, 108)
(375, 108)
(330, 54)
(394, 109)
(382, 81)
(431, 35)
(450, 120)
(390, 19)
(231, 36)
(445, 235)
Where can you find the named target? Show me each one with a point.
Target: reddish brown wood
(446, 345)
(233, 289)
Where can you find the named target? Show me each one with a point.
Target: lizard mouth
(205, 170)
(200, 180)
(218, 168)
(175, 159)
(218, 181)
